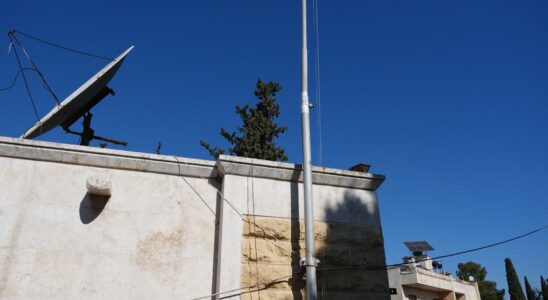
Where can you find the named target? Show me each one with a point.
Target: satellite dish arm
(88, 133)
(100, 138)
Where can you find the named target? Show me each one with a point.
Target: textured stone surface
(272, 248)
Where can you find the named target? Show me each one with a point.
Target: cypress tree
(256, 137)
(544, 288)
(529, 290)
(514, 287)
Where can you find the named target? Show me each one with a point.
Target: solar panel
(418, 246)
(80, 101)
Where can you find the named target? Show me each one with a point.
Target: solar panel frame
(418, 246)
(86, 96)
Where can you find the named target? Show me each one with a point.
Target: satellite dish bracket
(88, 134)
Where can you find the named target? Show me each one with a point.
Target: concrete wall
(154, 238)
(167, 233)
(428, 285)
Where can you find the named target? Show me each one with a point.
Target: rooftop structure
(420, 278)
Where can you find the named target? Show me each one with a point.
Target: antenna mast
(310, 261)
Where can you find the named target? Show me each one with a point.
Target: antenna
(79, 104)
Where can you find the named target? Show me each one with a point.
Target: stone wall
(273, 247)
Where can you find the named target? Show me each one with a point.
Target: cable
(11, 34)
(377, 267)
(61, 47)
(192, 187)
(318, 81)
(220, 194)
(15, 78)
(247, 287)
(25, 79)
(443, 256)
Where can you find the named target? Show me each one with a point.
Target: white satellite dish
(79, 102)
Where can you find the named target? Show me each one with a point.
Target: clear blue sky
(448, 99)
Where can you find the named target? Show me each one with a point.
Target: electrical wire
(61, 47)
(266, 283)
(192, 187)
(219, 193)
(15, 78)
(247, 287)
(443, 256)
(25, 79)
(317, 78)
(11, 34)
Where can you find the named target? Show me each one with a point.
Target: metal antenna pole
(310, 260)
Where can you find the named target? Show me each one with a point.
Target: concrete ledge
(172, 165)
(105, 158)
(233, 165)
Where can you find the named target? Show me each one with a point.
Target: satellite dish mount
(88, 134)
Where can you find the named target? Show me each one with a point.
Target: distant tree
(465, 270)
(531, 295)
(538, 293)
(488, 289)
(500, 294)
(514, 287)
(257, 135)
(544, 288)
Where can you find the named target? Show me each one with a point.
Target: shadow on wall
(350, 248)
(91, 207)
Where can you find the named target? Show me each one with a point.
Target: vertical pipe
(310, 261)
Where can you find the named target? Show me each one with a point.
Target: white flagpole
(310, 260)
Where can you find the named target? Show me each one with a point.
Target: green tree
(544, 288)
(531, 295)
(514, 287)
(500, 294)
(256, 137)
(488, 289)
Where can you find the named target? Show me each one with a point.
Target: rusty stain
(160, 254)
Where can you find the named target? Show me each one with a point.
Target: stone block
(362, 281)
(271, 228)
(367, 256)
(270, 251)
(279, 277)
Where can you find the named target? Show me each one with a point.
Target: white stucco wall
(156, 237)
(153, 239)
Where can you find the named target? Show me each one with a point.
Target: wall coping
(233, 165)
(105, 158)
(173, 165)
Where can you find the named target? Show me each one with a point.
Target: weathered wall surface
(347, 231)
(167, 233)
(154, 238)
(273, 247)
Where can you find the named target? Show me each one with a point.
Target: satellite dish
(79, 103)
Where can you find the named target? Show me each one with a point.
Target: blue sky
(448, 99)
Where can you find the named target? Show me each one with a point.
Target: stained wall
(178, 228)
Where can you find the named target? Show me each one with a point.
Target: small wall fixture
(99, 187)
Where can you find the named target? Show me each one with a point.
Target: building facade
(417, 280)
(90, 223)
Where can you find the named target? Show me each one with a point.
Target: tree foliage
(529, 291)
(465, 270)
(488, 289)
(255, 138)
(544, 288)
(500, 294)
(514, 287)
